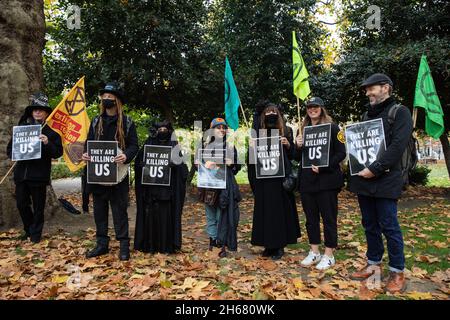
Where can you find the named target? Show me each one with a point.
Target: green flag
(427, 98)
(232, 101)
(300, 74)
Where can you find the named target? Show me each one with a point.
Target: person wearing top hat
(319, 188)
(32, 176)
(112, 125)
(379, 186)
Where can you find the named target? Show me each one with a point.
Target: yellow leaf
(298, 283)
(420, 295)
(60, 279)
(166, 284)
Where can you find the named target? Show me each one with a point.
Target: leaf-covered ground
(56, 268)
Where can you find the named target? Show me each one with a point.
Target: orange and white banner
(70, 120)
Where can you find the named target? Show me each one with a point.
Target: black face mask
(163, 135)
(109, 103)
(271, 120)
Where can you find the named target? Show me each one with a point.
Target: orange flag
(70, 120)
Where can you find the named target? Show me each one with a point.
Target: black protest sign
(26, 144)
(365, 143)
(316, 146)
(156, 170)
(212, 170)
(101, 168)
(269, 157)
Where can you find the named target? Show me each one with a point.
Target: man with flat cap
(32, 176)
(379, 186)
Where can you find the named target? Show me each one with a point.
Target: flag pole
(299, 117)
(414, 117)
(243, 113)
(7, 174)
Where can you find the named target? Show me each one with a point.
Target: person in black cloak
(275, 218)
(159, 208)
(222, 205)
(259, 108)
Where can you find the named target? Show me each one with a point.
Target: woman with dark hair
(275, 219)
(319, 188)
(112, 125)
(159, 208)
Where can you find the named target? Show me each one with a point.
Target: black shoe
(267, 252)
(23, 237)
(223, 253)
(124, 253)
(97, 251)
(35, 239)
(212, 243)
(278, 254)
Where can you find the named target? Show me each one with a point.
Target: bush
(60, 171)
(419, 175)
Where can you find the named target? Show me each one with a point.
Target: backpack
(409, 159)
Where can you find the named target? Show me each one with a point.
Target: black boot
(278, 254)
(223, 252)
(124, 253)
(99, 250)
(212, 243)
(267, 252)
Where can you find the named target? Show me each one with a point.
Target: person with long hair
(112, 125)
(319, 188)
(275, 219)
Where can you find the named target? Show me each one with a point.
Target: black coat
(108, 134)
(387, 182)
(328, 178)
(159, 208)
(38, 170)
(275, 218)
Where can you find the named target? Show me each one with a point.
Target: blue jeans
(379, 216)
(212, 220)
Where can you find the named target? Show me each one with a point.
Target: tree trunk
(446, 149)
(22, 39)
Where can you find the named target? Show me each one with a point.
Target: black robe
(159, 208)
(275, 218)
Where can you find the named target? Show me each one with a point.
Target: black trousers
(118, 201)
(84, 193)
(315, 205)
(30, 198)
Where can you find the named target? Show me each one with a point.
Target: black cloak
(159, 208)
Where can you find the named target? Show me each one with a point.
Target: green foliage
(419, 175)
(60, 171)
(409, 28)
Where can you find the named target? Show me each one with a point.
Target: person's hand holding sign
(121, 158)
(315, 169)
(285, 142)
(210, 165)
(366, 173)
(44, 139)
(85, 157)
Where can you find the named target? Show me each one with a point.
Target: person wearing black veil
(159, 208)
(259, 107)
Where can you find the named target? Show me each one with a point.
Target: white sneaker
(312, 258)
(326, 262)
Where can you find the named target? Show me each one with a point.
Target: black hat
(39, 101)
(377, 78)
(115, 89)
(315, 101)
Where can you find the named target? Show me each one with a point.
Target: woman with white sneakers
(319, 188)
